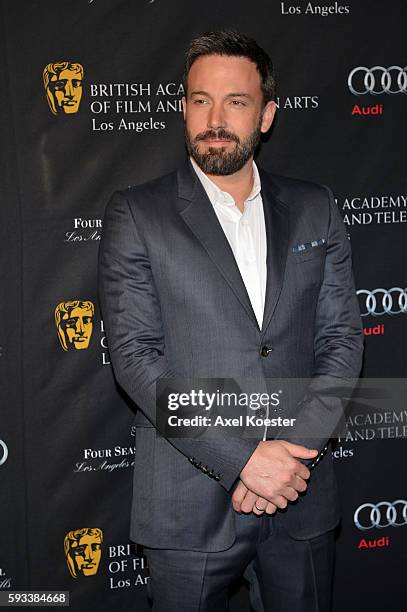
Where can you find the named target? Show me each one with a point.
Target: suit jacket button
(265, 351)
(260, 412)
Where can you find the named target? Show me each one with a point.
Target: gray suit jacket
(174, 305)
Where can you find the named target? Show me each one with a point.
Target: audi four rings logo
(4, 452)
(383, 301)
(383, 514)
(378, 80)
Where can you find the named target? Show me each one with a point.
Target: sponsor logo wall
(94, 105)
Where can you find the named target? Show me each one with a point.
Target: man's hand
(274, 473)
(244, 500)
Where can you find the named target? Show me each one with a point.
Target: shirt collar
(218, 196)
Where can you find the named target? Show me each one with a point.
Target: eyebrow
(239, 95)
(230, 95)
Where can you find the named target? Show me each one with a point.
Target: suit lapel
(276, 217)
(197, 211)
(203, 222)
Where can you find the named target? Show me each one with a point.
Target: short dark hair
(235, 44)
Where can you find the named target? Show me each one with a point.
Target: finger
(249, 501)
(238, 496)
(289, 493)
(299, 484)
(302, 452)
(285, 491)
(296, 482)
(280, 501)
(302, 471)
(270, 508)
(260, 506)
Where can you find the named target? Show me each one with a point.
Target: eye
(237, 103)
(199, 101)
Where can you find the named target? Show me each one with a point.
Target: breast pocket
(309, 254)
(307, 268)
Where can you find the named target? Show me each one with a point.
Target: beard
(218, 161)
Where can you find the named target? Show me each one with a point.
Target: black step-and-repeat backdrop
(91, 103)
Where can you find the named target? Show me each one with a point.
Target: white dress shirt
(246, 234)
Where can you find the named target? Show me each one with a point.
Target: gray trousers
(285, 575)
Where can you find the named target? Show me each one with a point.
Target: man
(63, 86)
(222, 270)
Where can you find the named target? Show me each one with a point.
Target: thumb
(301, 452)
(238, 496)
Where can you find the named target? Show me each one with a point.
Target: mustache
(220, 134)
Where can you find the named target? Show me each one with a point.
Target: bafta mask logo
(74, 324)
(63, 86)
(83, 550)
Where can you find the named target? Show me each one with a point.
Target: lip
(216, 142)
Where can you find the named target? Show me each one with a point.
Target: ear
(267, 119)
(184, 105)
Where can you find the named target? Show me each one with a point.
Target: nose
(80, 329)
(88, 554)
(216, 117)
(69, 89)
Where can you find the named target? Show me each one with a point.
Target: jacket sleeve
(132, 319)
(338, 343)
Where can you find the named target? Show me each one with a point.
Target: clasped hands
(272, 477)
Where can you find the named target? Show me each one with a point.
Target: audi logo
(383, 301)
(378, 80)
(383, 514)
(3, 447)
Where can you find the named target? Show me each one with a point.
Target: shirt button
(265, 351)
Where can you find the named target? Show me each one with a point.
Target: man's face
(86, 554)
(67, 91)
(223, 113)
(78, 328)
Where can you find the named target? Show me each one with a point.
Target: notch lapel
(201, 218)
(276, 217)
